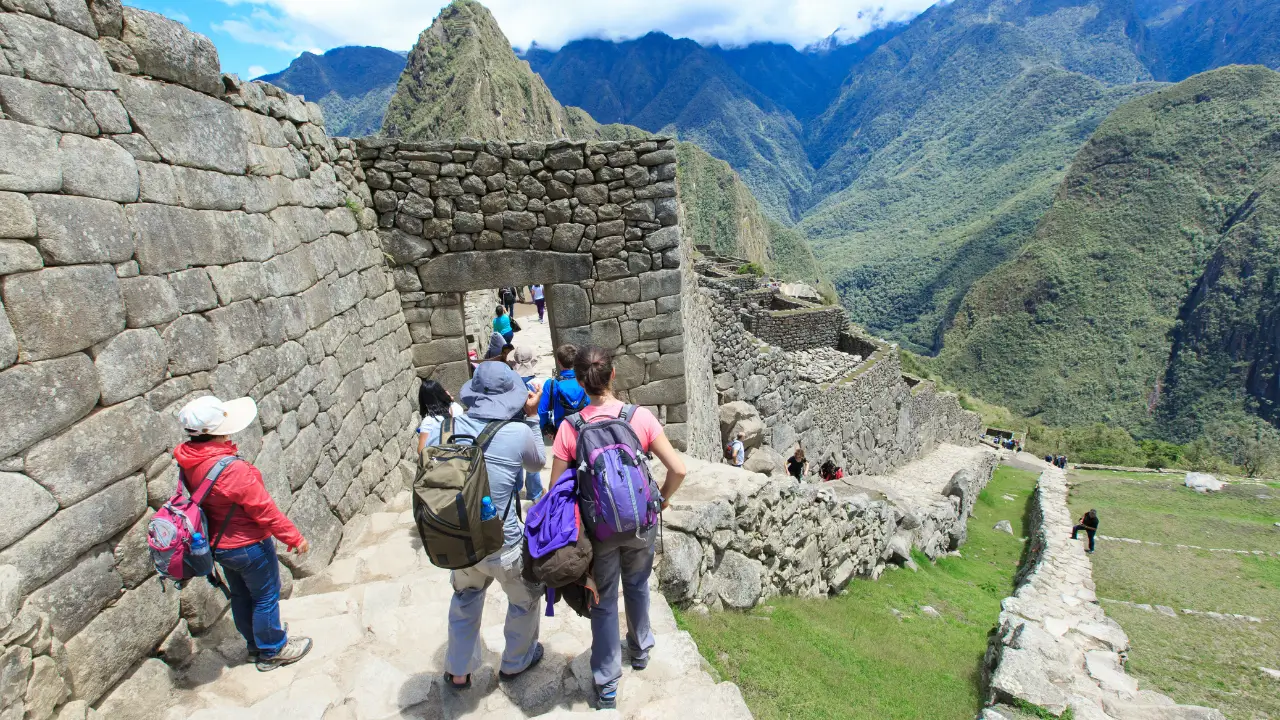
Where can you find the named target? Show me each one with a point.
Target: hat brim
(240, 415)
(503, 406)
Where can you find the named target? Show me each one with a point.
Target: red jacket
(256, 519)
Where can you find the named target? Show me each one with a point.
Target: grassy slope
(849, 657)
(1081, 318)
(1193, 659)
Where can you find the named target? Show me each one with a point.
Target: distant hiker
(626, 557)
(496, 395)
(247, 520)
(508, 295)
(540, 301)
(561, 395)
(1089, 524)
(830, 471)
(736, 452)
(1049, 459)
(797, 465)
(502, 323)
(434, 405)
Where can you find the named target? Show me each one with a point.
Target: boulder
(46, 309)
(737, 580)
(44, 397)
(45, 689)
(1021, 676)
(310, 513)
(1004, 526)
(119, 637)
(767, 461)
(1203, 482)
(680, 567)
(898, 549)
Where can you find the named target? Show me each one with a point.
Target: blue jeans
(628, 559)
(532, 485)
(253, 577)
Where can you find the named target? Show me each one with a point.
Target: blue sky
(257, 36)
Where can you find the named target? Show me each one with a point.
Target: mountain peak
(463, 79)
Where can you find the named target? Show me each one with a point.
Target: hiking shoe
(538, 652)
(606, 702)
(639, 663)
(293, 651)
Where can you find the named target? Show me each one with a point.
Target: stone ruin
(168, 231)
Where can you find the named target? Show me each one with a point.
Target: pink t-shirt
(643, 422)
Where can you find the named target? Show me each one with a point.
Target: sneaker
(639, 663)
(606, 702)
(293, 651)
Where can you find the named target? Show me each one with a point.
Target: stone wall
(168, 232)
(793, 324)
(597, 223)
(733, 538)
(869, 420)
(1054, 647)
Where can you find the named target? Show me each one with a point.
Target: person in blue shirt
(561, 395)
(502, 323)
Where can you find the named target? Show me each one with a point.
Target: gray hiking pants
(524, 606)
(627, 559)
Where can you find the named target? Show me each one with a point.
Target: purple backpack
(615, 490)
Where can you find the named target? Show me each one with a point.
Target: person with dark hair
(1089, 524)
(248, 524)
(626, 559)
(502, 323)
(561, 395)
(434, 405)
(796, 464)
(508, 296)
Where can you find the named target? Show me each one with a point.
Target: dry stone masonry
(165, 232)
(1054, 647)
(597, 223)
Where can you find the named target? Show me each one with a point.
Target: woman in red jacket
(243, 519)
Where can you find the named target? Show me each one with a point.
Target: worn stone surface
(167, 50)
(74, 598)
(119, 637)
(54, 54)
(50, 106)
(130, 364)
(310, 512)
(29, 157)
(98, 168)
(75, 230)
(186, 127)
(44, 397)
(45, 309)
(26, 506)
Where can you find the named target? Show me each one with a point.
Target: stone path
(1055, 647)
(1134, 541)
(378, 615)
(1170, 612)
(920, 482)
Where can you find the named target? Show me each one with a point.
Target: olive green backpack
(452, 479)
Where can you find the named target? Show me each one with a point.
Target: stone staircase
(378, 616)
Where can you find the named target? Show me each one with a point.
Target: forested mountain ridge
(352, 84)
(1147, 295)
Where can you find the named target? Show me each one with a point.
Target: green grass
(851, 657)
(1193, 659)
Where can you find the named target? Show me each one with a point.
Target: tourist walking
(561, 395)
(797, 466)
(502, 323)
(540, 301)
(508, 296)
(248, 524)
(737, 450)
(434, 405)
(496, 394)
(524, 362)
(1089, 524)
(624, 559)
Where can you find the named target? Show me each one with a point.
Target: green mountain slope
(1191, 37)
(352, 84)
(463, 79)
(1167, 211)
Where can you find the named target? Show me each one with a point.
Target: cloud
(256, 71)
(396, 23)
(178, 15)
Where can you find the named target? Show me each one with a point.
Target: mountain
(1147, 295)
(1191, 37)
(352, 84)
(463, 79)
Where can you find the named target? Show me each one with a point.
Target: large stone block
(45, 690)
(200, 605)
(44, 397)
(606, 334)
(238, 281)
(626, 290)
(737, 580)
(99, 168)
(660, 283)
(133, 697)
(193, 290)
(680, 567)
(191, 345)
(74, 230)
(130, 364)
(440, 351)
(660, 326)
(17, 216)
(186, 127)
(75, 597)
(290, 273)
(50, 106)
(311, 514)
(119, 637)
(54, 54)
(48, 309)
(663, 392)
(568, 305)
(8, 341)
(25, 506)
(99, 450)
(51, 548)
(237, 328)
(29, 157)
(131, 553)
(167, 50)
(174, 238)
(479, 270)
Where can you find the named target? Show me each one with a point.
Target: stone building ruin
(167, 231)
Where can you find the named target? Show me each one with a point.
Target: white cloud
(256, 71)
(396, 23)
(178, 15)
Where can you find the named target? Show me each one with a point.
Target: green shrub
(751, 269)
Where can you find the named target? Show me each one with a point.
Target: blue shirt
(514, 449)
(502, 324)
(559, 396)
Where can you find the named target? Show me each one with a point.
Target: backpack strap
(490, 430)
(627, 412)
(446, 429)
(214, 473)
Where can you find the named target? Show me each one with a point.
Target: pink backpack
(178, 534)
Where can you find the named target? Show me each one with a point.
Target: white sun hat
(210, 416)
